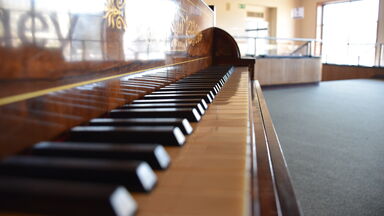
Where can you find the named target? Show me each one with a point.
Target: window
(349, 32)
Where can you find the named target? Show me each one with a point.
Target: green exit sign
(242, 6)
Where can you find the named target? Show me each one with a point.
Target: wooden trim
(262, 183)
(333, 1)
(286, 196)
(342, 72)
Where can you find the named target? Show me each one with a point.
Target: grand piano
(132, 107)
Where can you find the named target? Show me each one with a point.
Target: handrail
(278, 38)
(292, 49)
(381, 54)
(310, 43)
(306, 44)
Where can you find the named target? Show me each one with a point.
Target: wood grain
(341, 72)
(277, 71)
(284, 188)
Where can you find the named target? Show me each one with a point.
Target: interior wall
(230, 17)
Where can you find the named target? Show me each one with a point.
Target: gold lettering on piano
(185, 33)
(114, 13)
(195, 40)
(192, 30)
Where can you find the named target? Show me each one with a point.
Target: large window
(349, 32)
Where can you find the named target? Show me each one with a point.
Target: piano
(132, 107)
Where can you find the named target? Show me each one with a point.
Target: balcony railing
(381, 55)
(359, 54)
(274, 46)
(364, 54)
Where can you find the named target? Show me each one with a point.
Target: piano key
(199, 81)
(186, 92)
(196, 84)
(197, 106)
(134, 175)
(62, 198)
(155, 155)
(193, 100)
(206, 97)
(170, 88)
(217, 86)
(182, 123)
(189, 113)
(208, 76)
(165, 135)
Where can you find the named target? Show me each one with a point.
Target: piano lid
(54, 52)
(50, 40)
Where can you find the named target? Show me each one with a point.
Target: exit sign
(242, 6)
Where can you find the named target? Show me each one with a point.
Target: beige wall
(232, 20)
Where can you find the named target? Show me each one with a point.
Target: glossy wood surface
(209, 175)
(50, 40)
(287, 203)
(279, 71)
(64, 62)
(342, 72)
(226, 51)
(264, 200)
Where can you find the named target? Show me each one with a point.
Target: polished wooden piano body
(66, 62)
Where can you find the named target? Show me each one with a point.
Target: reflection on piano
(106, 111)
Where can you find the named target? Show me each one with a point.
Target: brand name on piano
(83, 33)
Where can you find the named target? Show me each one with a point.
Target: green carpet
(332, 135)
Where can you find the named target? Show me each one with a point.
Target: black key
(182, 123)
(217, 87)
(194, 100)
(134, 175)
(189, 113)
(186, 92)
(199, 82)
(195, 85)
(203, 80)
(170, 88)
(197, 106)
(154, 155)
(165, 135)
(208, 76)
(61, 198)
(206, 97)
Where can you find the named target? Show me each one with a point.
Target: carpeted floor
(332, 135)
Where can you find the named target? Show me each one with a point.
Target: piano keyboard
(109, 156)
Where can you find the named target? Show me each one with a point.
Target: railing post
(310, 48)
(381, 53)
